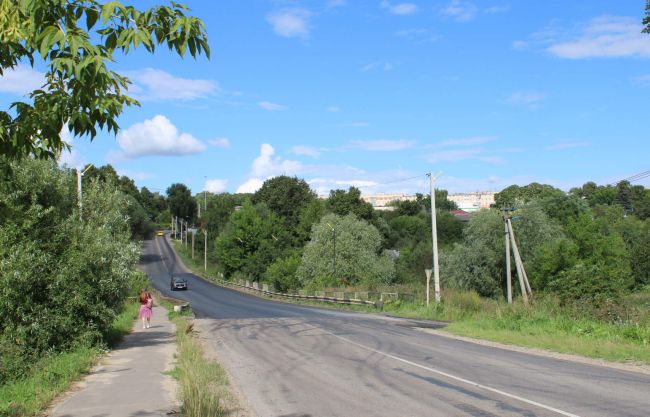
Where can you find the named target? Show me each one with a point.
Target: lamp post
(80, 174)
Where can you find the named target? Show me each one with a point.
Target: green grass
(204, 388)
(54, 373)
(624, 337)
(195, 264)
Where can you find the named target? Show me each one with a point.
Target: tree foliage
(77, 40)
(359, 259)
(61, 279)
(515, 195)
(180, 201)
(343, 202)
(286, 197)
(646, 19)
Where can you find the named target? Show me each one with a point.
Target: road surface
(297, 361)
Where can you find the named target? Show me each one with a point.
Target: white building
(473, 201)
(380, 201)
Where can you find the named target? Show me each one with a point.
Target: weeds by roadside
(203, 384)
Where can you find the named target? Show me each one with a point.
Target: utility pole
(518, 263)
(434, 235)
(205, 250)
(193, 245)
(526, 287)
(508, 271)
(80, 174)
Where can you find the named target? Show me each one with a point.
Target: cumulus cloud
(157, 85)
(216, 186)
(250, 186)
(21, 80)
(291, 23)
(70, 158)
(157, 136)
(268, 165)
(267, 105)
(460, 11)
(220, 142)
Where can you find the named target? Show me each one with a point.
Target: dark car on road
(178, 283)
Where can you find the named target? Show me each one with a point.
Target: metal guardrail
(296, 296)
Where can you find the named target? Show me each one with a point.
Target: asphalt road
(300, 361)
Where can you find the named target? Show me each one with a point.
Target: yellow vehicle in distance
(160, 233)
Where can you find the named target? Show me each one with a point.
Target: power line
(633, 178)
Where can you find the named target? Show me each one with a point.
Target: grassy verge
(545, 324)
(195, 264)
(55, 373)
(204, 388)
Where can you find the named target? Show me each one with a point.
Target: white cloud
(418, 35)
(267, 105)
(250, 186)
(497, 9)
(382, 145)
(527, 97)
(474, 140)
(386, 66)
(460, 11)
(452, 155)
(606, 36)
(306, 150)
(157, 136)
(356, 124)
(291, 23)
(567, 145)
(333, 109)
(157, 85)
(399, 8)
(220, 142)
(215, 186)
(135, 175)
(70, 158)
(519, 45)
(21, 80)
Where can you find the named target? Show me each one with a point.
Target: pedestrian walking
(146, 308)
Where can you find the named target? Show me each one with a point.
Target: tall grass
(54, 373)
(203, 384)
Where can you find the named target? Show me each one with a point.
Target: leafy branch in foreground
(76, 39)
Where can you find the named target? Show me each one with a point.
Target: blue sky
(372, 93)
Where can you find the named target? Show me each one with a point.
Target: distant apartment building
(380, 201)
(470, 202)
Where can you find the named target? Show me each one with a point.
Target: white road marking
(456, 378)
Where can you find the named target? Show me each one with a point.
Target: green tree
(77, 40)
(180, 201)
(250, 242)
(282, 273)
(516, 195)
(286, 197)
(343, 202)
(646, 19)
(61, 279)
(359, 260)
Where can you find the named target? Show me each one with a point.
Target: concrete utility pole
(205, 250)
(80, 174)
(428, 273)
(508, 271)
(518, 259)
(518, 263)
(434, 234)
(193, 244)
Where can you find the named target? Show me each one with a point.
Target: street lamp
(334, 232)
(80, 174)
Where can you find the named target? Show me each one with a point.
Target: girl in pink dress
(146, 308)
